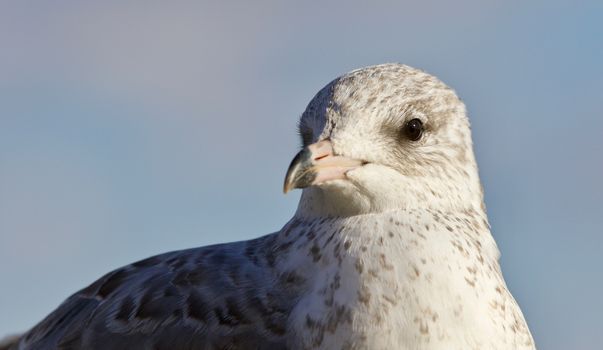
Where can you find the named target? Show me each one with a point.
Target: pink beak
(316, 164)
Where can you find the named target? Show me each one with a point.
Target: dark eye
(414, 129)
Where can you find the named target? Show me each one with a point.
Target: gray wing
(218, 297)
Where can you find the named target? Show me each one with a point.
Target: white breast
(404, 280)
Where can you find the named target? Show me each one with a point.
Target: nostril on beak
(321, 157)
(321, 149)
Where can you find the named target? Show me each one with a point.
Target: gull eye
(414, 129)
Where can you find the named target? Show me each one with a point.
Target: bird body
(406, 279)
(390, 247)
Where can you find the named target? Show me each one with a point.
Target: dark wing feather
(218, 297)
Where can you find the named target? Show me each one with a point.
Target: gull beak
(316, 164)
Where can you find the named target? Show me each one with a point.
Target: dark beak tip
(300, 173)
(289, 183)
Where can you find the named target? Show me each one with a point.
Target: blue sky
(132, 128)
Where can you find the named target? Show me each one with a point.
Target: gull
(390, 247)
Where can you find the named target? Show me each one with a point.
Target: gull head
(383, 138)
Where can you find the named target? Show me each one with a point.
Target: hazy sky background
(132, 128)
